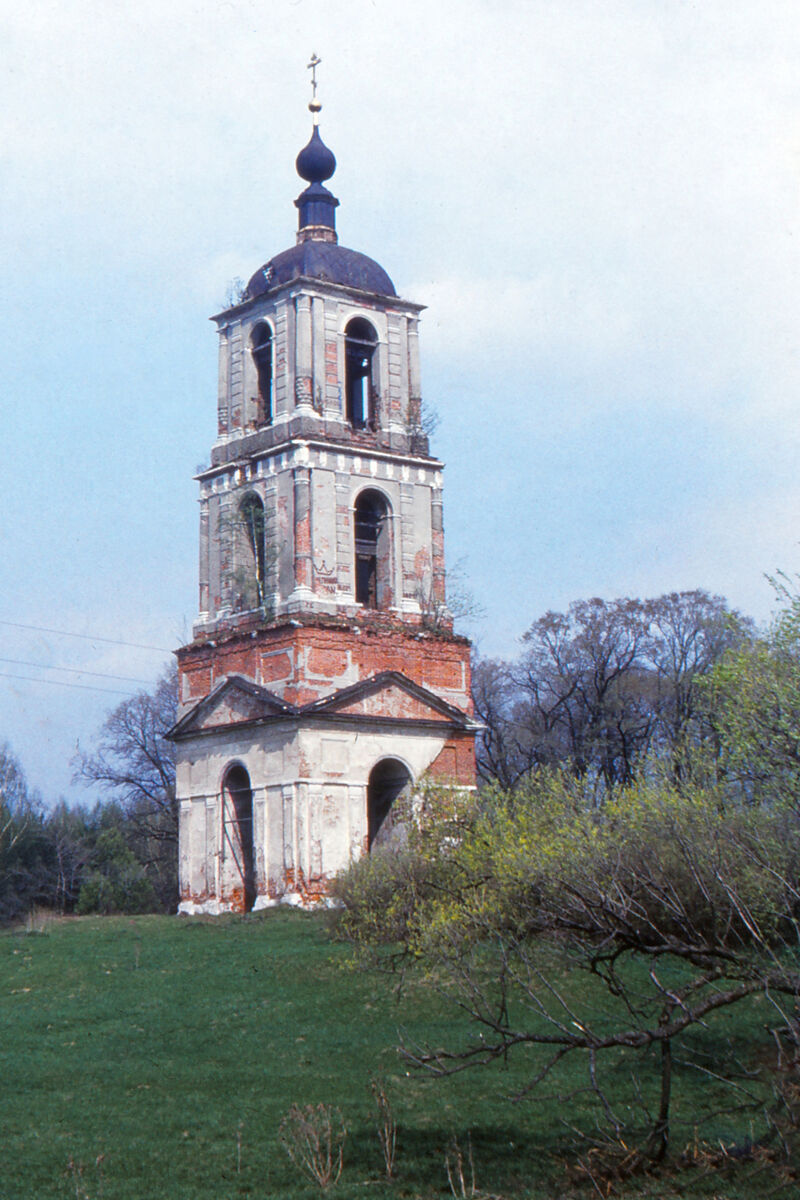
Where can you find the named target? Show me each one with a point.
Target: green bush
(672, 908)
(117, 882)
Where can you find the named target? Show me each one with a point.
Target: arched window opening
(373, 551)
(261, 349)
(387, 817)
(254, 586)
(360, 343)
(237, 817)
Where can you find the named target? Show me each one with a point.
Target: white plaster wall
(336, 478)
(397, 369)
(337, 766)
(323, 530)
(309, 801)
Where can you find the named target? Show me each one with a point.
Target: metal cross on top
(312, 67)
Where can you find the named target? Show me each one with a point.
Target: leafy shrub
(672, 906)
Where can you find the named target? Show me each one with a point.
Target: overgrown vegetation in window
(250, 560)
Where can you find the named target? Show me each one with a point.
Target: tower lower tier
(301, 747)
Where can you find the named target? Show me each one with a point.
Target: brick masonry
(301, 663)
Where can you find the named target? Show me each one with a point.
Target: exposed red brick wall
(306, 662)
(327, 661)
(198, 683)
(332, 365)
(441, 673)
(455, 762)
(303, 663)
(391, 702)
(275, 666)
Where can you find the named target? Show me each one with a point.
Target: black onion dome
(326, 261)
(315, 162)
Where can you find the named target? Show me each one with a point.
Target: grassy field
(173, 1048)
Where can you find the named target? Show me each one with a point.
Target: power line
(23, 662)
(88, 637)
(84, 687)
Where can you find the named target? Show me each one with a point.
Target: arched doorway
(237, 798)
(386, 826)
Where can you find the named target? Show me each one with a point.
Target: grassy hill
(172, 1049)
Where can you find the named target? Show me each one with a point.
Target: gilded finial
(314, 106)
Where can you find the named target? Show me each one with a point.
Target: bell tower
(324, 677)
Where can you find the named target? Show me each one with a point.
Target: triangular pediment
(233, 701)
(389, 695)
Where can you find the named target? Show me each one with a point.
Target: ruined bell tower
(324, 678)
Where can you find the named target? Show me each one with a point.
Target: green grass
(154, 1041)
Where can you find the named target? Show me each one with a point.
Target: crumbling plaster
(310, 819)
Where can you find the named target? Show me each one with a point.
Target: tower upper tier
(319, 344)
(321, 498)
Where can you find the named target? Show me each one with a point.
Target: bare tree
(135, 764)
(24, 851)
(509, 745)
(584, 676)
(459, 607)
(692, 631)
(70, 834)
(604, 685)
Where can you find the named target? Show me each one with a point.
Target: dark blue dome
(326, 261)
(315, 162)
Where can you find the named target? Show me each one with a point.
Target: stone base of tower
(293, 745)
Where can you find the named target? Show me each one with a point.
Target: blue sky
(597, 201)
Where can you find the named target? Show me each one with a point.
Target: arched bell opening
(261, 350)
(253, 585)
(360, 343)
(237, 799)
(389, 781)
(373, 552)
